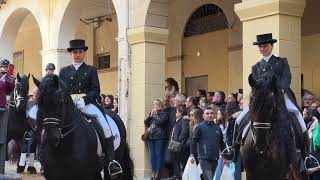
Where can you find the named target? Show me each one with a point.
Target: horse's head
(21, 91)
(263, 107)
(52, 99)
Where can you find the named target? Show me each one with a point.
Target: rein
(58, 122)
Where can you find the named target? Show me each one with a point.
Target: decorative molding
(149, 34)
(235, 48)
(49, 51)
(112, 69)
(175, 58)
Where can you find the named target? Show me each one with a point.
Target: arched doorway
(310, 40)
(205, 50)
(21, 38)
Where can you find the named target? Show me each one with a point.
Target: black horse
(17, 124)
(70, 145)
(265, 152)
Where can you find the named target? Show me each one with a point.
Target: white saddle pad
(115, 132)
(32, 113)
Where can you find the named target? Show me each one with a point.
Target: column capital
(50, 51)
(253, 9)
(148, 34)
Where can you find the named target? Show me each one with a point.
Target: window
(103, 61)
(18, 61)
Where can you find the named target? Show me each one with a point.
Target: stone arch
(181, 19)
(66, 19)
(13, 15)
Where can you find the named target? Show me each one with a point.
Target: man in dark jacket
(83, 82)
(279, 66)
(209, 138)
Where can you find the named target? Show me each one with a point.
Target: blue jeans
(157, 149)
(237, 172)
(208, 168)
(219, 169)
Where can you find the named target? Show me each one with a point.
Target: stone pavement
(11, 168)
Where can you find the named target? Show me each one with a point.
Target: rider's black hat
(50, 66)
(4, 62)
(77, 44)
(265, 39)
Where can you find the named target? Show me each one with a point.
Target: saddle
(97, 127)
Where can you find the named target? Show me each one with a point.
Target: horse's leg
(33, 146)
(23, 157)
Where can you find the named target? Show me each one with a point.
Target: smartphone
(11, 69)
(241, 91)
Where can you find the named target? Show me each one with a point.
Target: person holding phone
(6, 81)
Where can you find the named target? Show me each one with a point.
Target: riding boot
(232, 154)
(114, 167)
(305, 150)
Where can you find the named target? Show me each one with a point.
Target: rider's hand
(80, 103)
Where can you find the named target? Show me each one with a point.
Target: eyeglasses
(209, 113)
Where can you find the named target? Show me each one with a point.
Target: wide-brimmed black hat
(77, 44)
(265, 39)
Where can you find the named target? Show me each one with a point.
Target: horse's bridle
(16, 97)
(60, 123)
(261, 126)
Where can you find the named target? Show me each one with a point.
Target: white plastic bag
(228, 172)
(191, 171)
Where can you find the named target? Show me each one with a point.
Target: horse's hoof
(20, 169)
(32, 170)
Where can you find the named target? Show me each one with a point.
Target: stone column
(147, 83)
(282, 18)
(59, 57)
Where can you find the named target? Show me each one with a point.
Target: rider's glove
(80, 103)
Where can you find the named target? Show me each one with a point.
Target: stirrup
(117, 164)
(312, 169)
(228, 149)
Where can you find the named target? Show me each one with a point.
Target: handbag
(174, 146)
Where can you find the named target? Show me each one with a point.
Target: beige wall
(310, 66)
(29, 41)
(213, 60)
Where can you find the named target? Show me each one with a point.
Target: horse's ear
(36, 81)
(252, 81)
(28, 75)
(18, 77)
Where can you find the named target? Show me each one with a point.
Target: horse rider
(6, 82)
(50, 68)
(279, 66)
(83, 82)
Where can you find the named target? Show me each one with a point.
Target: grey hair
(181, 98)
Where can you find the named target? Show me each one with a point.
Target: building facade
(136, 44)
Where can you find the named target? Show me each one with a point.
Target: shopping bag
(228, 172)
(191, 171)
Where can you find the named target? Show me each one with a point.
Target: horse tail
(13, 151)
(127, 164)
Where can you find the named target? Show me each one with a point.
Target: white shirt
(266, 58)
(77, 65)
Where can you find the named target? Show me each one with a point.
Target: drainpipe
(123, 53)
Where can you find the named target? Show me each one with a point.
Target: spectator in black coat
(180, 133)
(157, 123)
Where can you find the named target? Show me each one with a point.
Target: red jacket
(5, 89)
